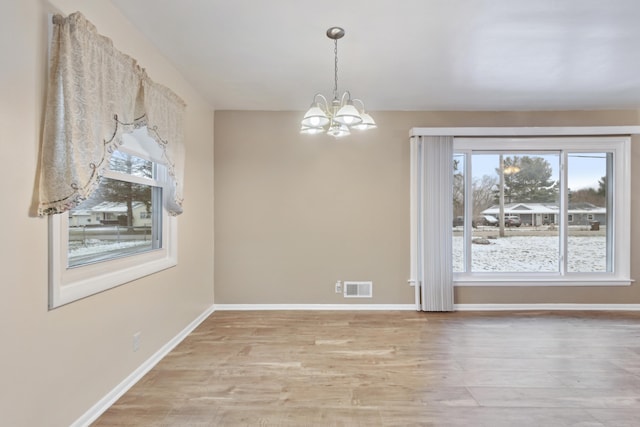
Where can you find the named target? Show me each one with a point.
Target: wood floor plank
(617, 417)
(294, 368)
(523, 397)
(491, 417)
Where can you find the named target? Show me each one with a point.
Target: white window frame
(620, 244)
(70, 284)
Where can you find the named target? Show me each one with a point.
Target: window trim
(70, 284)
(564, 131)
(620, 146)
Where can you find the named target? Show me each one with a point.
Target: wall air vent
(358, 289)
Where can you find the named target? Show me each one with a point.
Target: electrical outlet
(338, 287)
(136, 341)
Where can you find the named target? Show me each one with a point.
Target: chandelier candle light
(338, 118)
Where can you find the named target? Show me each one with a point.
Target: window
(127, 228)
(131, 235)
(128, 187)
(541, 211)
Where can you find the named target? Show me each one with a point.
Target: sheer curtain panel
(96, 94)
(431, 222)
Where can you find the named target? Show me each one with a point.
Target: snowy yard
(534, 254)
(94, 250)
(515, 253)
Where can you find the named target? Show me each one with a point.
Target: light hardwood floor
(295, 368)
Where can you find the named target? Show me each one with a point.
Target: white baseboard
(328, 307)
(103, 404)
(559, 307)
(407, 307)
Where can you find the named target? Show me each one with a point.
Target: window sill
(534, 282)
(70, 284)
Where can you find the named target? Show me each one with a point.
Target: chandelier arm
(348, 95)
(361, 103)
(324, 101)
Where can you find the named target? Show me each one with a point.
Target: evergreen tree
(602, 186)
(529, 180)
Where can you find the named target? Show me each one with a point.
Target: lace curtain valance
(95, 95)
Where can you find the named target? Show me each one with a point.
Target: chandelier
(341, 115)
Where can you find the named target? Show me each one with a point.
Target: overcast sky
(585, 169)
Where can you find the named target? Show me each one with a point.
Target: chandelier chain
(335, 84)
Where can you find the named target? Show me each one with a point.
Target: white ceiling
(402, 54)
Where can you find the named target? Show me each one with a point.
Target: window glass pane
(522, 189)
(116, 221)
(458, 213)
(588, 207)
(131, 165)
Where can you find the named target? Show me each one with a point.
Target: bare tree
(458, 189)
(483, 193)
(126, 192)
(587, 195)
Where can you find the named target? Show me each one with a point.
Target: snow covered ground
(94, 250)
(534, 253)
(507, 254)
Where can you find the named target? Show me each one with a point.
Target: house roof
(543, 208)
(80, 212)
(113, 207)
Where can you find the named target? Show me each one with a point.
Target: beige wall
(54, 365)
(294, 213)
